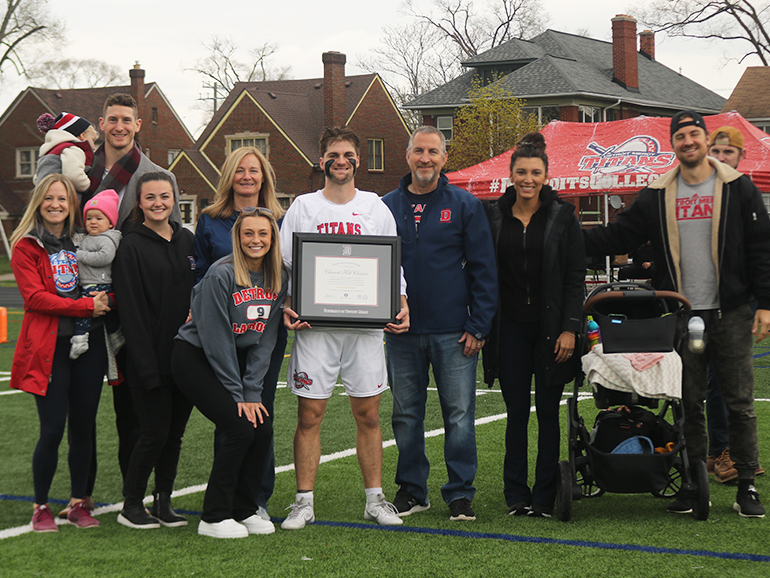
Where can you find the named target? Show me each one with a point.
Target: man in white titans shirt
(319, 355)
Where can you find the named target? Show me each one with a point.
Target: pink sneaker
(42, 520)
(81, 517)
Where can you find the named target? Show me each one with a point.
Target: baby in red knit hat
(68, 148)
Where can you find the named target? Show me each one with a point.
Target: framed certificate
(346, 280)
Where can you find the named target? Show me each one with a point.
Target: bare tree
(471, 29)
(410, 62)
(25, 24)
(427, 51)
(224, 67)
(75, 73)
(738, 20)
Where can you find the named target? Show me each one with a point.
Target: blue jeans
(409, 357)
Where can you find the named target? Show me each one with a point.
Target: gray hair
(427, 130)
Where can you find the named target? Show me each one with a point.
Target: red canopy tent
(615, 157)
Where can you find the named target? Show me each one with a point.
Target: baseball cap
(733, 134)
(695, 120)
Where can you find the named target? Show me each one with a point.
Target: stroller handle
(637, 294)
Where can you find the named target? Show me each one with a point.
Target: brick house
(751, 97)
(162, 136)
(573, 78)
(284, 118)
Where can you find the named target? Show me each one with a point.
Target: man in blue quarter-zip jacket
(449, 265)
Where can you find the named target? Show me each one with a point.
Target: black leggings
(236, 475)
(73, 394)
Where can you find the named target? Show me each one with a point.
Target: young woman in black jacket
(153, 274)
(541, 273)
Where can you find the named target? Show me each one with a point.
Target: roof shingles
(580, 65)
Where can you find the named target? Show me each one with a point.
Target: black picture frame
(355, 280)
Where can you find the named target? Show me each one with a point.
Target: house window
(259, 140)
(187, 208)
(172, 154)
(590, 114)
(26, 162)
(154, 115)
(376, 162)
(445, 124)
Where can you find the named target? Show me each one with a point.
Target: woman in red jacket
(44, 264)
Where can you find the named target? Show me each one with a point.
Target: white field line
(19, 530)
(111, 508)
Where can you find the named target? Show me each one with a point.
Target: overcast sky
(167, 36)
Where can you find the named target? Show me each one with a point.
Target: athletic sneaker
(89, 504)
(256, 525)
(225, 529)
(537, 511)
(262, 513)
(747, 503)
(301, 514)
(406, 504)
(81, 516)
(42, 520)
(680, 506)
(382, 512)
(137, 517)
(519, 509)
(461, 509)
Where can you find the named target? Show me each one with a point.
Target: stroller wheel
(675, 480)
(587, 485)
(564, 492)
(700, 477)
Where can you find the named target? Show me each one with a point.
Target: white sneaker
(301, 514)
(224, 529)
(382, 512)
(256, 525)
(262, 513)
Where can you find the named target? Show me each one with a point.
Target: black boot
(162, 510)
(135, 516)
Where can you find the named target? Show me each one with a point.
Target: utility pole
(215, 87)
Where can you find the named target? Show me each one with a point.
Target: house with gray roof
(573, 78)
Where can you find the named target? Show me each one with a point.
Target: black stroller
(632, 317)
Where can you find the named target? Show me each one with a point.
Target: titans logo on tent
(65, 270)
(639, 154)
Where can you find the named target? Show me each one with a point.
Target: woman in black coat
(154, 273)
(541, 273)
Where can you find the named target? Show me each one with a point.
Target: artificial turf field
(618, 535)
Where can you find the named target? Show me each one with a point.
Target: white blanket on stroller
(615, 371)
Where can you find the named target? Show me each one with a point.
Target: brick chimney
(137, 86)
(624, 56)
(334, 89)
(647, 43)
